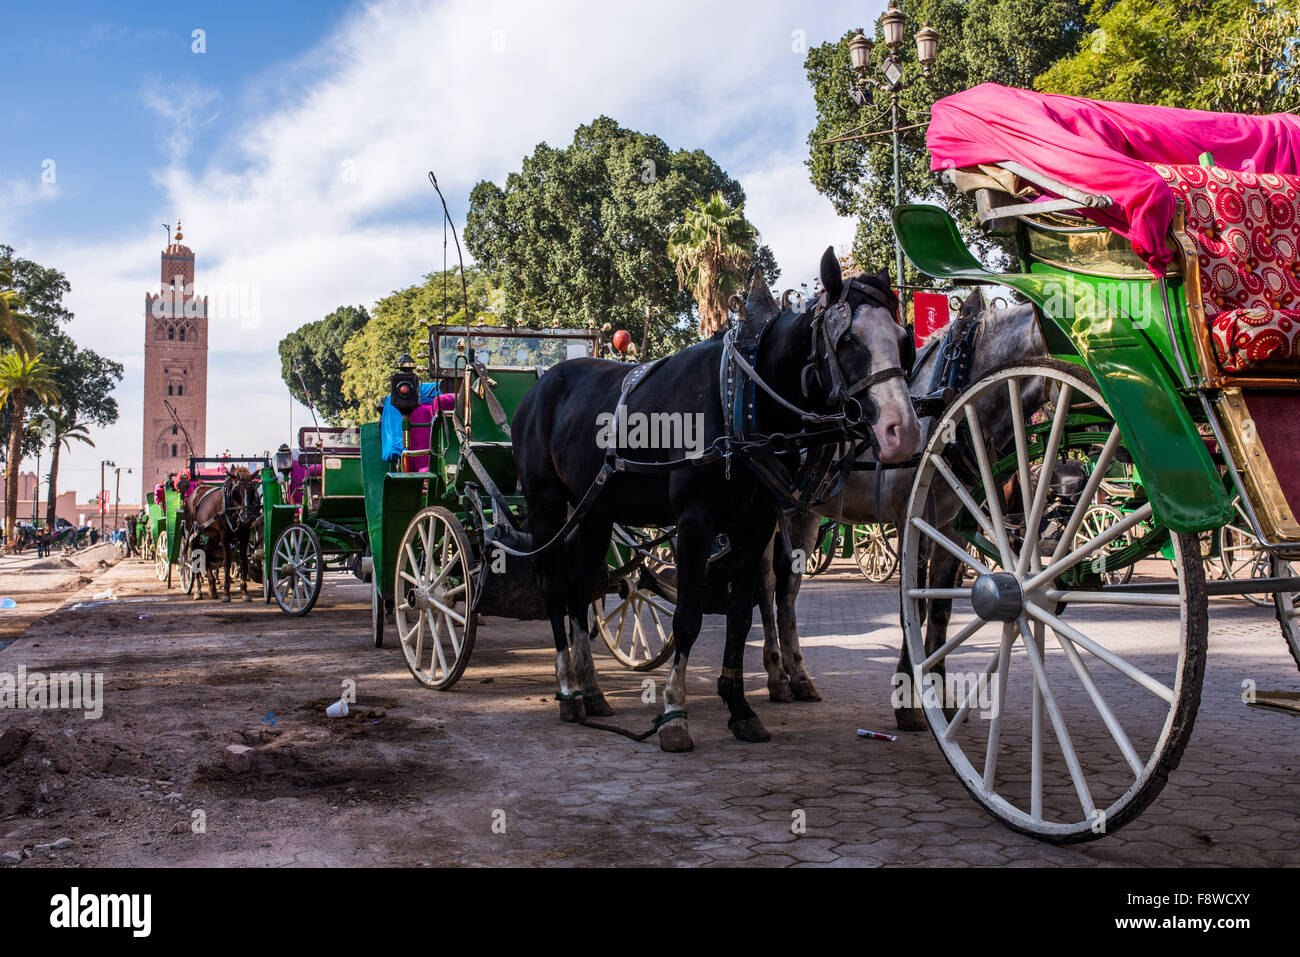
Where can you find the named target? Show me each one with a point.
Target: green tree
(316, 349)
(41, 289)
(62, 429)
(1236, 56)
(24, 381)
(370, 355)
(16, 327)
(1002, 41)
(578, 237)
(712, 248)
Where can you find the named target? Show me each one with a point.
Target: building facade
(175, 369)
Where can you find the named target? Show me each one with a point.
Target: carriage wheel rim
(637, 629)
(296, 570)
(433, 598)
(1030, 628)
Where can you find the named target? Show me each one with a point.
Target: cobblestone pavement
(439, 775)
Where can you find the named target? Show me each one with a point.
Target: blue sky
(294, 150)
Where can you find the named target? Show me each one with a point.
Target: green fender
(1181, 479)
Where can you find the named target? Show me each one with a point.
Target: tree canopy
(1237, 56)
(1002, 41)
(317, 350)
(371, 354)
(578, 237)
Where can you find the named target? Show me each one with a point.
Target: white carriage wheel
(160, 556)
(876, 558)
(636, 628)
(1069, 740)
(433, 598)
(1096, 520)
(296, 570)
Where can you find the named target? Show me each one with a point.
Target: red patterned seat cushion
(1246, 227)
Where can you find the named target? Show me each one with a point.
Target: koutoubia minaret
(175, 368)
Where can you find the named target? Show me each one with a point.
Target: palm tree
(23, 379)
(63, 429)
(16, 326)
(712, 248)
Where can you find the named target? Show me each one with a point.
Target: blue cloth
(390, 422)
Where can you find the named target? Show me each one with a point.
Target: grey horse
(1003, 335)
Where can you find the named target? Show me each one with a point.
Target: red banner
(103, 503)
(930, 312)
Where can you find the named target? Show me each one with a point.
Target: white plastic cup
(339, 709)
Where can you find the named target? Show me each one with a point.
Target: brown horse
(217, 523)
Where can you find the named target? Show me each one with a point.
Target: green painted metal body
(392, 499)
(156, 519)
(1114, 327)
(277, 515)
(172, 499)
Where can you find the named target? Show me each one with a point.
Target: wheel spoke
(1033, 649)
(995, 725)
(1029, 552)
(1134, 673)
(1099, 702)
(952, 643)
(945, 542)
(992, 495)
(1094, 544)
(1089, 491)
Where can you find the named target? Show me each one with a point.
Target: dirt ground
(486, 774)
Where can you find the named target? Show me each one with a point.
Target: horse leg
(243, 565)
(545, 520)
(747, 551)
(943, 570)
(225, 570)
(593, 543)
(778, 682)
(804, 529)
(694, 538)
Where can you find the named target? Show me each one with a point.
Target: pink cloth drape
(1104, 147)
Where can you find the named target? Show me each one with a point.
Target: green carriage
(443, 498)
(313, 516)
(1083, 656)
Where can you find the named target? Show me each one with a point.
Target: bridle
(831, 323)
(242, 509)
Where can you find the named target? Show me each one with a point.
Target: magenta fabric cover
(1104, 147)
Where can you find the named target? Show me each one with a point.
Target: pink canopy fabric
(1104, 147)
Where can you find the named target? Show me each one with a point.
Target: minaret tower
(175, 367)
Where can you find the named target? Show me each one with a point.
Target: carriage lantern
(927, 45)
(404, 386)
(283, 458)
(860, 52)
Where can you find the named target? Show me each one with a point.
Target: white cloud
(315, 193)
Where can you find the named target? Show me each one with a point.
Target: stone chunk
(239, 758)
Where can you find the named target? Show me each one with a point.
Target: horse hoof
(674, 738)
(804, 690)
(597, 706)
(749, 729)
(572, 710)
(226, 599)
(909, 719)
(779, 692)
(247, 597)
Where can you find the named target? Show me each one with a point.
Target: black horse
(841, 356)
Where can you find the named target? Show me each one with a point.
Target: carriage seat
(1246, 228)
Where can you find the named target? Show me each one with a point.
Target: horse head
(860, 356)
(243, 498)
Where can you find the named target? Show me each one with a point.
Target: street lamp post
(102, 463)
(117, 496)
(893, 22)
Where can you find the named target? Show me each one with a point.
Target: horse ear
(832, 278)
(973, 306)
(883, 278)
(760, 308)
